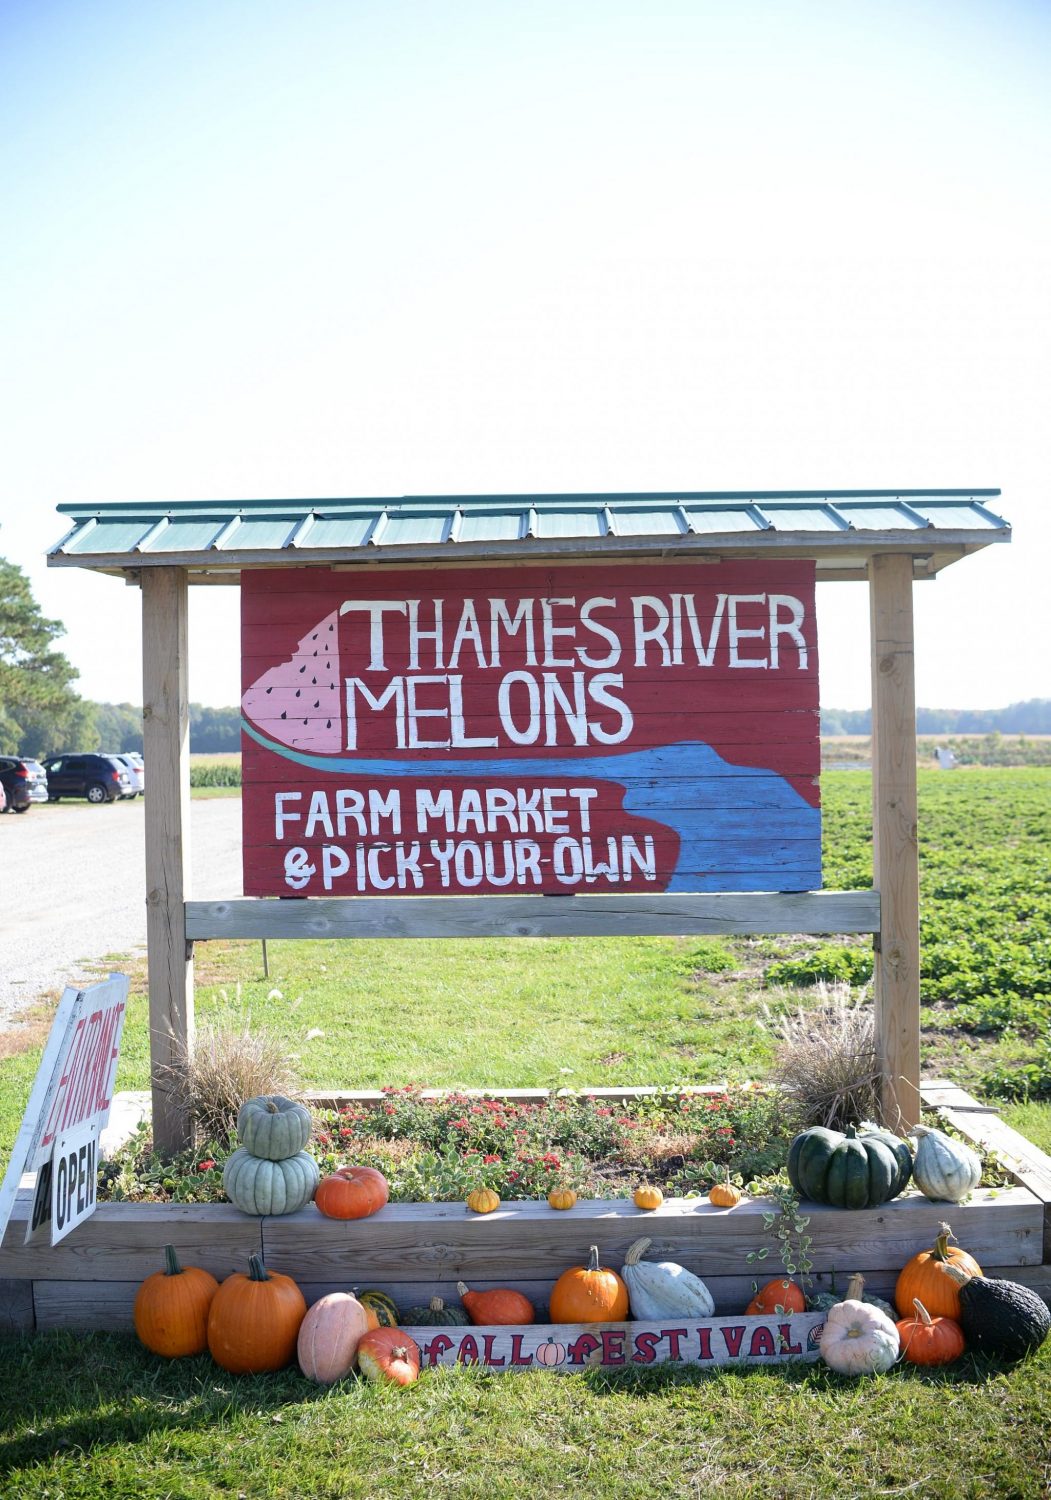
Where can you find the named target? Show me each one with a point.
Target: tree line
(42, 714)
(1031, 716)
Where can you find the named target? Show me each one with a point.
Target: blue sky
(262, 249)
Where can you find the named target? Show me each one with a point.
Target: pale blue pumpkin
(257, 1186)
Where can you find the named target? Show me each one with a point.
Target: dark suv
(99, 778)
(24, 781)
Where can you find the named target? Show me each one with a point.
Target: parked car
(24, 781)
(99, 778)
(136, 784)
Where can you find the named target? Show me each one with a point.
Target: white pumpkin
(944, 1170)
(662, 1289)
(858, 1339)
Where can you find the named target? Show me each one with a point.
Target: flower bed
(436, 1149)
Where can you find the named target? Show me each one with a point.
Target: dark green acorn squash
(856, 1169)
(1000, 1317)
(436, 1315)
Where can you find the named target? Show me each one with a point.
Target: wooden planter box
(419, 1250)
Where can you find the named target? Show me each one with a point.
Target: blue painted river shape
(744, 817)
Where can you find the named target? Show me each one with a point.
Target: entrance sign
(640, 726)
(70, 1099)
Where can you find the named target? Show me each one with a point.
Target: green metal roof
(840, 528)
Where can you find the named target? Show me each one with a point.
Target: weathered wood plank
(420, 1242)
(676, 915)
(124, 1241)
(894, 843)
(16, 1306)
(107, 1305)
(166, 747)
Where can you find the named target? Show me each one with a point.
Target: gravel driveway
(73, 886)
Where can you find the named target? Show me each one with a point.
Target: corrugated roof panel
(268, 534)
(877, 517)
(184, 536)
(569, 523)
(338, 531)
(109, 536)
(640, 521)
(966, 517)
(416, 529)
(719, 518)
(492, 526)
(801, 517)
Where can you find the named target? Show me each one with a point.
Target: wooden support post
(166, 733)
(894, 843)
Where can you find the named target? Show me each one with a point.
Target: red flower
(488, 1160)
(206, 1166)
(603, 1111)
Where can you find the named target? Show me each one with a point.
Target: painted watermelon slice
(298, 703)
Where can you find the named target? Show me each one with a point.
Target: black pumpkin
(436, 1315)
(1000, 1317)
(856, 1169)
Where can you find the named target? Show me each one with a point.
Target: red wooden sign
(628, 727)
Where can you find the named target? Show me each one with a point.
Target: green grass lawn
(96, 1416)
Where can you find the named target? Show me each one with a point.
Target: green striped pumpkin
(257, 1186)
(855, 1169)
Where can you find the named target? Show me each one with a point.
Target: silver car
(136, 786)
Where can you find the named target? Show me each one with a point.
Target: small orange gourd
(171, 1308)
(930, 1341)
(589, 1294)
(725, 1195)
(483, 1200)
(562, 1197)
(647, 1196)
(499, 1305)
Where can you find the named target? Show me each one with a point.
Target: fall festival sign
(534, 729)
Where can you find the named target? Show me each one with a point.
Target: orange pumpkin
(780, 1295)
(389, 1354)
(254, 1320)
(562, 1197)
(725, 1195)
(647, 1196)
(171, 1308)
(329, 1336)
(924, 1276)
(589, 1294)
(500, 1305)
(930, 1341)
(352, 1193)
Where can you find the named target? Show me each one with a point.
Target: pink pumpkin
(329, 1336)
